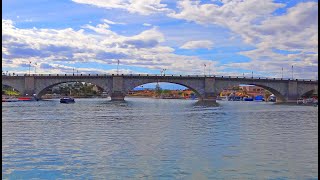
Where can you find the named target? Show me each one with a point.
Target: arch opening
(163, 90)
(77, 89)
(250, 92)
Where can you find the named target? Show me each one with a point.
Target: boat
(248, 99)
(27, 98)
(67, 100)
(259, 98)
(9, 99)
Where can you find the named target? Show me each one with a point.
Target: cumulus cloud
(197, 44)
(255, 21)
(143, 7)
(97, 44)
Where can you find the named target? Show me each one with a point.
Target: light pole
(209, 69)
(73, 71)
(292, 71)
(282, 73)
(204, 69)
(252, 74)
(164, 71)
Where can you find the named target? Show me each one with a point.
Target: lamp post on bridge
(282, 73)
(29, 67)
(204, 69)
(163, 71)
(292, 71)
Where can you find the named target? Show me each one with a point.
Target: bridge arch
(196, 86)
(273, 88)
(40, 91)
(197, 93)
(306, 89)
(305, 93)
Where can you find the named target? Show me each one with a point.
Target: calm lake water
(158, 139)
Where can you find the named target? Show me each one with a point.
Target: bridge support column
(117, 93)
(292, 93)
(29, 86)
(209, 96)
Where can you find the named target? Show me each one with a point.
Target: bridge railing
(160, 75)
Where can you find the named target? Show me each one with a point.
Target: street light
(204, 69)
(252, 74)
(282, 73)
(292, 71)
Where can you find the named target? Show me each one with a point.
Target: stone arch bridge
(206, 87)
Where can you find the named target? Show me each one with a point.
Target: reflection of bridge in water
(206, 87)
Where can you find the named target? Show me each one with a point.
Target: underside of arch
(278, 95)
(44, 90)
(308, 93)
(140, 84)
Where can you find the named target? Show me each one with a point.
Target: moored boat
(67, 100)
(9, 100)
(248, 99)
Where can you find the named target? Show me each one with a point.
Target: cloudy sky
(220, 37)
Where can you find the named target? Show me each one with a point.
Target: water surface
(158, 139)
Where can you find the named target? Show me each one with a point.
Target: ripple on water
(158, 139)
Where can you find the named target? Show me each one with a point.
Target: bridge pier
(292, 93)
(117, 96)
(117, 93)
(29, 86)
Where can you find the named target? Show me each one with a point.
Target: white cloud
(143, 7)
(111, 22)
(256, 23)
(102, 46)
(197, 44)
(146, 24)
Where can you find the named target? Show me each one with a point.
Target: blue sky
(184, 37)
